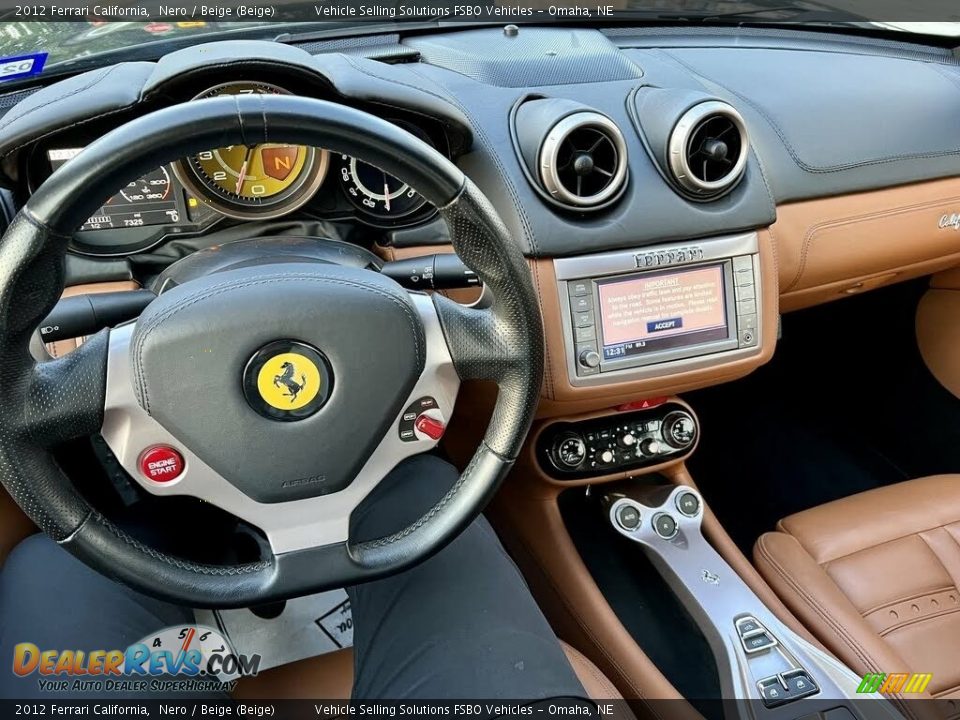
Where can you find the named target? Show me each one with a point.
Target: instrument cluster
(238, 182)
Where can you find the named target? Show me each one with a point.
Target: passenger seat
(875, 577)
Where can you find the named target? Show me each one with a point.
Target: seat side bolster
(813, 596)
(597, 685)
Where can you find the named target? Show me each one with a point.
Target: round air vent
(708, 149)
(583, 160)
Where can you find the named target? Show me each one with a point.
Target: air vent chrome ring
(688, 130)
(556, 162)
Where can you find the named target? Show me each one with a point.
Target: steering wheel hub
(230, 364)
(287, 380)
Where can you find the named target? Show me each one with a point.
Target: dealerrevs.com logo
(187, 658)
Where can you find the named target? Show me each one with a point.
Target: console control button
(689, 504)
(589, 358)
(786, 687)
(772, 692)
(628, 517)
(746, 307)
(570, 450)
(664, 525)
(582, 304)
(678, 429)
(760, 641)
(579, 288)
(747, 322)
(628, 440)
(649, 448)
(754, 636)
(584, 334)
(583, 319)
(800, 684)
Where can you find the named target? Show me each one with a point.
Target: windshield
(72, 46)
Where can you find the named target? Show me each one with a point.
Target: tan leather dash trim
(828, 248)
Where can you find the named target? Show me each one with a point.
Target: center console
(645, 313)
(759, 658)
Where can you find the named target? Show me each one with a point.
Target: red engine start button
(161, 463)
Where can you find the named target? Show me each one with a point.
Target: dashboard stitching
(504, 177)
(102, 76)
(806, 167)
(154, 322)
(356, 66)
(64, 128)
(477, 128)
(808, 237)
(548, 375)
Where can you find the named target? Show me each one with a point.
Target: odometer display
(148, 200)
(256, 181)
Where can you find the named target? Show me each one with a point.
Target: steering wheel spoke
(296, 525)
(65, 397)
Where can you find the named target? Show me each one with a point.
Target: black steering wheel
(191, 398)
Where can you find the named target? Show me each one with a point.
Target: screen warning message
(662, 310)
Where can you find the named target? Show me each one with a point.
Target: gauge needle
(242, 175)
(386, 192)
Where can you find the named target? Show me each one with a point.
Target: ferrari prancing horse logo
(287, 380)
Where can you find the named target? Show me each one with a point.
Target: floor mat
(845, 405)
(642, 600)
(305, 627)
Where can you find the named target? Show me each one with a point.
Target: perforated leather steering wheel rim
(46, 403)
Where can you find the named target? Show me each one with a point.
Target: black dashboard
(775, 115)
(190, 200)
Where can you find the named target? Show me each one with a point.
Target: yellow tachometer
(259, 181)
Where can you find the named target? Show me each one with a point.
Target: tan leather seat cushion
(330, 677)
(875, 577)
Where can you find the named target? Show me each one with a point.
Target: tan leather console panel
(833, 247)
(560, 397)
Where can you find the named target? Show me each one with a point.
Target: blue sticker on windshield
(21, 66)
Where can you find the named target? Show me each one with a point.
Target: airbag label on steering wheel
(21, 66)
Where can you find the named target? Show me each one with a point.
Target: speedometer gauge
(374, 191)
(255, 181)
(150, 188)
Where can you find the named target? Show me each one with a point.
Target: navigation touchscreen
(661, 310)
